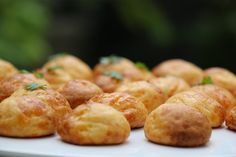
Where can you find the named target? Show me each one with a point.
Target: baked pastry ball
(223, 78)
(230, 119)
(133, 109)
(221, 95)
(170, 85)
(72, 65)
(94, 124)
(78, 92)
(25, 116)
(48, 96)
(149, 95)
(12, 83)
(109, 81)
(119, 64)
(147, 74)
(177, 125)
(214, 111)
(180, 68)
(6, 69)
(64, 68)
(56, 77)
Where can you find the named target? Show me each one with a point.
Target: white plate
(222, 144)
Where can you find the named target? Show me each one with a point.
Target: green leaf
(114, 74)
(53, 68)
(62, 54)
(38, 74)
(34, 86)
(206, 80)
(110, 59)
(23, 71)
(141, 65)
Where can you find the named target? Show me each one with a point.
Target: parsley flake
(34, 86)
(38, 74)
(110, 59)
(53, 68)
(141, 65)
(23, 71)
(114, 74)
(62, 54)
(206, 80)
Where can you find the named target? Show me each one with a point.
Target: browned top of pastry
(181, 68)
(79, 91)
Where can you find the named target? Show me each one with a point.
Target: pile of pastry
(176, 102)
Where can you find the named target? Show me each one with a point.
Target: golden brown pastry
(25, 116)
(180, 68)
(147, 74)
(134, 110)
(12, 83)
(94, 124)
(109, 81)
(78, 92)
(177, 125)
(223, 78)
(170, 85)
(230, 119)
(221, 95)
(48, 96)
(63, 68)
(6, 69)
(56, 77)
(119, 64)
(214, 111)
(149, 95)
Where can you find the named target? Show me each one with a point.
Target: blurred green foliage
(193, 30)
(162, 29)
(137, 16)
(23, 25)
(146, 16)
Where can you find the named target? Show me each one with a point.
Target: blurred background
(203, 32)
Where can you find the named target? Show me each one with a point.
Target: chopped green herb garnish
(58, 55)
(114, 74)
(38, 74)
(141, 65)
(110, 59)
(206, 80)
(53, 68)
(23, 71)
(35, 86)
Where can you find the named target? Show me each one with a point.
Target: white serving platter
(222, 144)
